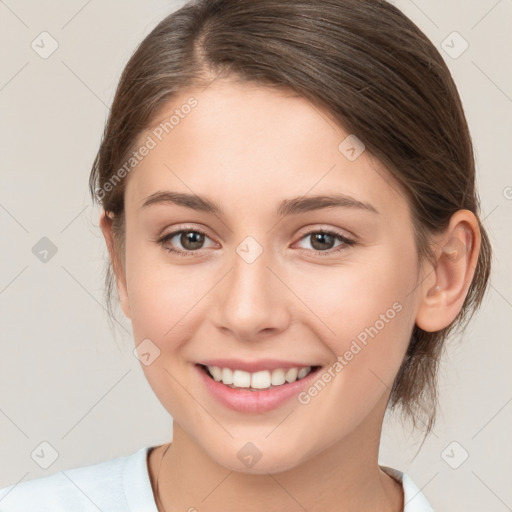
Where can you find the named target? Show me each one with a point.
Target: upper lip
(254, 366)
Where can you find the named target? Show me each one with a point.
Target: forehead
(257, 142)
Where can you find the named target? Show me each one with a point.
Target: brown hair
(367, 65)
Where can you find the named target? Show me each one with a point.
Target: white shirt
(122, 484)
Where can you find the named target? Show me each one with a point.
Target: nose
(252, 301)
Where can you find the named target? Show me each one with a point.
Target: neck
(346, 478)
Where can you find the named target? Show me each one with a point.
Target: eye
(322, 242)
(191, 240)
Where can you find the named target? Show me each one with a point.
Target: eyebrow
(286, 207)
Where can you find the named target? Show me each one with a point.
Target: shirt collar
(414, 500)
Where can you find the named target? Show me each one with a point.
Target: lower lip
(243, 400)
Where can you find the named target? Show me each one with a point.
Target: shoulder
(118, 484)
(414, 500)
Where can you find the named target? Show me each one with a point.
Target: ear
(447, 282)
(108, 234)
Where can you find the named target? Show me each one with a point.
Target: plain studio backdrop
(71, 388)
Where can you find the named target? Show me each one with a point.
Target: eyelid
(344, 233)
(302, 233)
(179, 230)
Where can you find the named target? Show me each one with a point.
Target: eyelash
(346, 242)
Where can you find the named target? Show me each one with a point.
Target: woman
(291, 216)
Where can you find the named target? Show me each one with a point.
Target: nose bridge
(251, 299)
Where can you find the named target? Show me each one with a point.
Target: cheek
(164, 302)
(161, 295)
(365, 315)
(161, 306)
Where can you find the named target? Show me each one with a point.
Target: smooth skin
(247, 148)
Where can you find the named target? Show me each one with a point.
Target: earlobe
(119, 273)
(443, 293)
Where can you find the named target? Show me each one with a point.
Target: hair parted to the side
(366, 64)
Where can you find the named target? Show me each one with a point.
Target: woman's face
(261, 288)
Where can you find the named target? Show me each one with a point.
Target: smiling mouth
(257, 381)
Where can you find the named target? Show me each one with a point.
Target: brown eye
(184, 242)
(322, 241)
(191, 240)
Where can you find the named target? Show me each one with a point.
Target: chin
(253, 461)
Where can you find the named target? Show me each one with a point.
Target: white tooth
(291, 375)
(227, 375)
(278, 377)
(260, 380)
(216, 372)
(241, 379)
(303, 372)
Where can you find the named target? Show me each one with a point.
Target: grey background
(67, 380)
